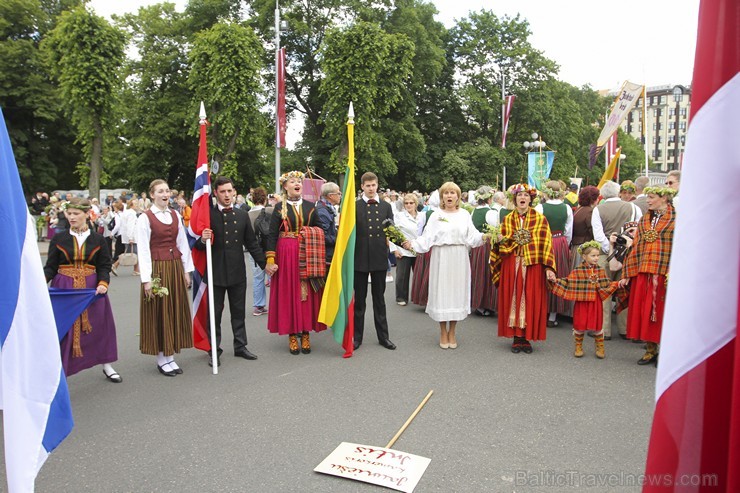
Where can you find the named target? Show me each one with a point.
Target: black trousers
(237, 299)
(404, 265)
(378, 290)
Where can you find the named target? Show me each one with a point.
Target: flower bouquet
(393, 234)
(494, 232)
(158, 289)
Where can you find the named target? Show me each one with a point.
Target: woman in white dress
(451, 232)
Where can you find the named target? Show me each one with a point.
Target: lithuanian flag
(611, 169)
(337, 304)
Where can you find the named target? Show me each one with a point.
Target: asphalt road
(497, 421)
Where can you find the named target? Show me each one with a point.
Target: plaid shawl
(312, 254)
(537, 251)
(584, 283)
(651, 258)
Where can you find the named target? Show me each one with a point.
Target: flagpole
(503, 118)
(277, 109)
(644, 124)
(209, 274)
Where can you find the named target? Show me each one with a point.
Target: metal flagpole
(503, 118)
(277, 110)
(644, 125)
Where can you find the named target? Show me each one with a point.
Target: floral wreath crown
(552, 193)
(628, 187)
(661, 191)
(290, 174)
(68, 205)
(587, 245)
(484, 193)
(521, 187)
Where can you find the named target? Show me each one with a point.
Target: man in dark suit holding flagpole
(371, 257)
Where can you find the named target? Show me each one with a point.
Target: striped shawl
(312, 256)
(584, 283)
(651, 258)
(537, 251)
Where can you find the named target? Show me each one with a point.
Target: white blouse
(144, 234)
(448, 228)
(409, 227)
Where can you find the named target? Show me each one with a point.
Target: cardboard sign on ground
(382, 466)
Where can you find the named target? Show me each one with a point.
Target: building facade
(667, 122)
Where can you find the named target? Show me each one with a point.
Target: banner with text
(382, 466)
(540, 166)
(626, 100)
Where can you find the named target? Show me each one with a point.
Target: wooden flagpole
(408, 421)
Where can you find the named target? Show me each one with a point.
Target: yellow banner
(611, 169)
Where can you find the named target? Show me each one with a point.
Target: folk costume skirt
(562, 265)
(483, 293)
(289, 313)
(522, 300)
(588, 315)
(420, 281)
(646, 307)
(166, 324)
(95, 330)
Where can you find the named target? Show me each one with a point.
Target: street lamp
(677, 97)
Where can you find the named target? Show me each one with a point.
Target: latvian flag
(695, 438)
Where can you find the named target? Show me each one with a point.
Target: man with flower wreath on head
(521, 261)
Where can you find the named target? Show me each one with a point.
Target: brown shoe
(578, 338)
(305, 343)
(599, 346)
(293, 344)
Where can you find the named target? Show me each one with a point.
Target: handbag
(128, 259)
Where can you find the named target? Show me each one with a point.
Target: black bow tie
(372, 201)
(227, 209)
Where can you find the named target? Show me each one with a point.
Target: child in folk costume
(588, 286)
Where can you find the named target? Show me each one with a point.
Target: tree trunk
(96, 159)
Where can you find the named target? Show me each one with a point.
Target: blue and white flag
(37, 414)
(540, 166)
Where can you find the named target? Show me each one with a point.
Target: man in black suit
(231, 231)
(371, 257)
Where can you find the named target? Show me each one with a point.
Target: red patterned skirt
(562, 265)
(483, 293)
(420, 282)
(646, 307)
(529, 321)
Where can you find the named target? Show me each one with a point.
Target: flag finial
(202, 113)
(351, 113)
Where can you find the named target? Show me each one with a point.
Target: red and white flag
(508, 103)
(695, 438)
(281, 121)
(200, 219)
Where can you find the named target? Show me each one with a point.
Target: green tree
(225, 73)
(43, 142)
(86, 54)
(368, 67)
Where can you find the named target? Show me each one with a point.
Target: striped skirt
(562, 265)
(165, 322)
(483, 293)
(420, 282)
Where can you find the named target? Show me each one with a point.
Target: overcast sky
(596, 42)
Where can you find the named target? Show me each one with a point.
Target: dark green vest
(556, 215)
(479, 218)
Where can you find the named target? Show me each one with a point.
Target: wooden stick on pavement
(408, 421)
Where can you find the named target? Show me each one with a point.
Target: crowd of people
(532, 258)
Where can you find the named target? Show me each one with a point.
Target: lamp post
(677, 97)
(279, 26)
(537, 145)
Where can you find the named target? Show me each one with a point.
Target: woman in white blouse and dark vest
(164, 255)
(407, 221)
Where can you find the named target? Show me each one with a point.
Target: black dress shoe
(356, 345)
(245, 353)
(387, 344)
(177, 370)
(210, 360)
(526, 347)
(113, 377)
(166, 373)
(623, 336)
(646, 361)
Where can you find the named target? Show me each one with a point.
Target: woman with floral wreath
(296, 256)
(645, 271)
(521, 261)
(483, 292)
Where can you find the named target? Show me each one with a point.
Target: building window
(672, 112)
(682, 125)
(657, 153)
(671, 138)
(662, 100)
(684, 112)
(671, 125)
(657, 140)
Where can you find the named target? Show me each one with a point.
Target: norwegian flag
(200, 219)
(508, 103)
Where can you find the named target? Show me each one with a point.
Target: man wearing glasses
(325, 208)
(673, 180)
